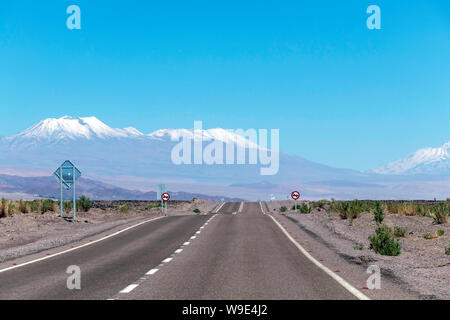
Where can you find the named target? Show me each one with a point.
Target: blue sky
(340, 94)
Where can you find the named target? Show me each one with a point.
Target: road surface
(238, 253)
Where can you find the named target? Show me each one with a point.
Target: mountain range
(136, 161)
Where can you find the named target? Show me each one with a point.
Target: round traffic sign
(295, 195)
(165, 197)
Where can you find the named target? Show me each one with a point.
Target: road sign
(160, 190)
(295, 195)
(165, 197)
(67, 174)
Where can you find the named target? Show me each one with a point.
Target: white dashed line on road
(178, 251)
(153, 271)
(186, 243)
(167, 260)
(130, 288)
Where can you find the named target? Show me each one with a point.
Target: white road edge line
(220, 207)
(186, 243)
(81, 246)
(241, 207)
(260, 204)
(341, 281)
(178, 251)
(130, 288)
(167, 260)
(153, 271)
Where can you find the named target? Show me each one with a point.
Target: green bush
(84, 204)
(400, 232)
(359, 247)
(348, 210)
(154, 205)
(440, 213)
(382, 242)
(67, 206)
(283, 209)
(124, 208)
(305, 208)
(47, 205)
(440, 232)
(23, 207)
(196, 210)
(4, 209)
(447, 251)
(378, 214)
(34, 206)
(11, 209)
(427, 236)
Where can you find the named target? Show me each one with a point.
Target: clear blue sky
(340, 94)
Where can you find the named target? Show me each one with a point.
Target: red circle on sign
(165, 197)
(295, 195)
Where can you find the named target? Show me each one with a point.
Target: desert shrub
(47, 205)
(319, 204)
(305, 208)
(124, 208)
(393, 207)
(67, 206)
(154, 205)
(439, 213)
(84, 204)
(382, 242)
(196, 210)
(11, 209)
(359, 247)
(400, 232)
(3, 210)
(378, 213)
(283, 209)
(349, 210)
(23, 207)
(408, 209)
(440, 232)
(447, 251)
(427, 236)
(34, 206)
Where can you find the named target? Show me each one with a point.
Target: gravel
(423, 265)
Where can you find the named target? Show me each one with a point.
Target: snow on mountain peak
(72, 128)
(219, 134)
(427, 160)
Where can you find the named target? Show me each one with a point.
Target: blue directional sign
(67, 174)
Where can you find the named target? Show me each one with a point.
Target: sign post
(165, 197)
(295, 195)
(67, 174)
(159, 192)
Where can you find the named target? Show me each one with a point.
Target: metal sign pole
(166, 208)
(295, 205)
(61, 192)
(74, 198)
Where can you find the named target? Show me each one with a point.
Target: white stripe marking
(130, 288)
(220, 207)
(178, 251)
(197, 232)
(153, 271)
(167, 260)
(341, 281)
(81, 246)
(186, 243)
(193, 237)
(241, 207)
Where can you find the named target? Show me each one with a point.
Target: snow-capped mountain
(423, 161)
(90, 128)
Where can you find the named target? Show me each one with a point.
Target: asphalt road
(238, 253)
